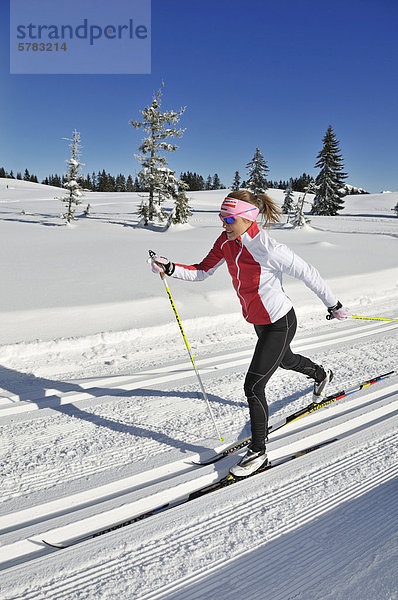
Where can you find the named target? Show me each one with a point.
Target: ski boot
(250, 463)
(320, 387)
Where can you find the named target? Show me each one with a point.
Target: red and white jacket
(256, 262)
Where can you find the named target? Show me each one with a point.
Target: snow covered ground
(101, 415)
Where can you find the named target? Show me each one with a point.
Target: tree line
(106, 182)
(160, 182)
(26, 177)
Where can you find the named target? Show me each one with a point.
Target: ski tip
(57, 546)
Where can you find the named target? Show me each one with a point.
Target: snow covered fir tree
(155, 176)
(330, 181)
(287, 205)
(72, 179)
(182, 210)
(236, 182)
(299, 219)
(257, 170)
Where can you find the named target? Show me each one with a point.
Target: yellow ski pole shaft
(163, 278)
(372, 318)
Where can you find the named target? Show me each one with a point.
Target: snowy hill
(92, 277)
(101, 415)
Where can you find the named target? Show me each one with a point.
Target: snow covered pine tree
(72, 179)
(155, 177)
(257, 170)
(299, 219)
(236, 182)
(330, 181)
(287, 205)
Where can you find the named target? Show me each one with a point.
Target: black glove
(160, 264)
(337, 312)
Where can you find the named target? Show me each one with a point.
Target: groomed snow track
(303, 507)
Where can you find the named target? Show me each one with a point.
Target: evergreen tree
(102, 181)
(87, 183)
(194, 181)
(289, 199)
(120, 183)
(71, 179)
(257, 170)
(299, 218)
(301, 183)
(26, 176)
(182, 210)
(209, 183)
(330, 181)
(236, 182)
(216, 183)
(3, 172)
(12, 175)
(129, 184)
(111, 183)
(19, 175)
(155, 176)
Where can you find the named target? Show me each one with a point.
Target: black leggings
(272, 351)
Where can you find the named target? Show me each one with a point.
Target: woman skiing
(256, 262)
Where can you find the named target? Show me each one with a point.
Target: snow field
(101, 414)
(241, 520)
(121, 430)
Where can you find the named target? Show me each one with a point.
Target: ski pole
(163, 278)
(373, 318)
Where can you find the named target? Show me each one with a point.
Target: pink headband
(233, 206)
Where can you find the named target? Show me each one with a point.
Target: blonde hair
(268, 209)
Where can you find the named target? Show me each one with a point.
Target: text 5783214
(41, 47)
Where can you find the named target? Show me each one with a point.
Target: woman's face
(235, 229)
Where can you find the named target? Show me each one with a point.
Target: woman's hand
(160, 265)
(337, 312)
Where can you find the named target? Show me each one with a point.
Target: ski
(298, 414)
(231, 479)
(218, 485)
(99, 532)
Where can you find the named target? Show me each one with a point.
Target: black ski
(222, 483)
(90, 536)
(310, 408)
(231, 479)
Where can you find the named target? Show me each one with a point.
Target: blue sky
(257, 73)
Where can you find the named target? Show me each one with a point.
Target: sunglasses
(231, 219)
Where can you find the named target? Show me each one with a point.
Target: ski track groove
(301, 345)
(35, 482)
(236, 513)
(89, 579)
(83, 584)
(297, 584)
(301, 519)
